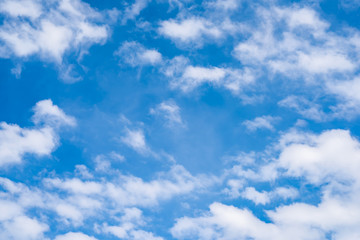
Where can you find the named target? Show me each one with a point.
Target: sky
(179, 119)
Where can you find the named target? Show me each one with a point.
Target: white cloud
(135, 54)
(140, 235)
(50, 30)
(16, 70)
(136, 140)
(285, 192)
(202, 74)
(75, 185)
(9, 210)
(68, 23)
(331, 156)
(16, 142)
(234, 187)
(305, 108)
(346, 89)
(187, 77)
(132, 11)
(263, 122)
(329, 160)
(192, 30)
(73, 236)
(227, 5)
(23, 228)
(265, 197)
(69, 212)
(306, 46)
(23, 8)
(46, 112)
(256, 196)
(133, 191)
(170, 111)
(73, 201)
(129, 226)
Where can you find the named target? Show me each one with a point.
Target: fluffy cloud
(23, 228)
(75, 201)
(14, 224)
(134, 54)
(46, 112)
(296, 43)
(74, 235)
(40, 140)
(330, 160)
(326, 54)
(129, 226)
(50, 30)
(255, 196)
(331, 156)
(187, 77)
(189, 30)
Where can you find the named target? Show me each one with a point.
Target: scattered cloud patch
(263, 122)
(170, 112)
(135, 54)
(187, 77)
(40, 140)
(74, 235)
(135, 139)
(192, 30)
(319, 159)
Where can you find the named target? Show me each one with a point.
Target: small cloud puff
(39, 140)
(135, 54)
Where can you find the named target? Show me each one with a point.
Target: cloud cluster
(50, 30)
(40, 140)
(329, 161)
(293, 42)
(187, 77)
(76, 200)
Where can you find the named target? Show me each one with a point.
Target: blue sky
(179, 119)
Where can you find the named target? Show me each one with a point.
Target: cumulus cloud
(14, 224)
(189, 30)
(50, 30)
(46, 112)
(76, 200)
(265, 197)
(23, 228)
(187, 77)
(40, 140)
(331, 156)
(74, 235)
(328, 160)
(129, 226)
(327, 54)
(256, 196)
(69, 23)
(135, 54)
